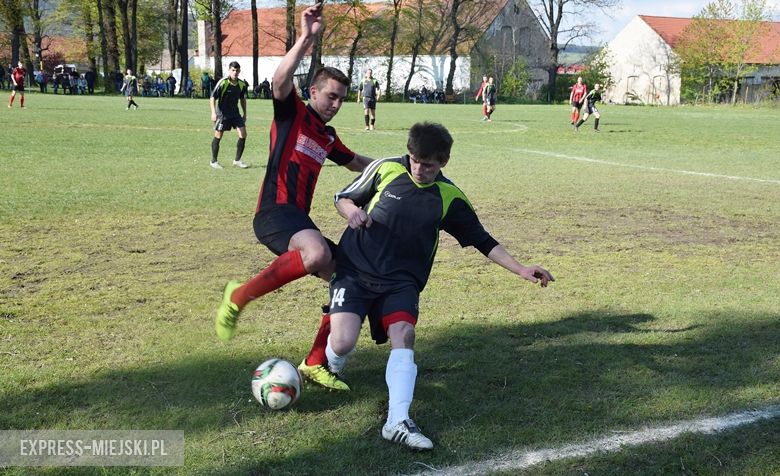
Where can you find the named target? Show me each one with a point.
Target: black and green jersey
(227, 95)
(369, 88)
(593, 97)
(401, 242)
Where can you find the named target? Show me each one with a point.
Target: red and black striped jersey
(300, 143)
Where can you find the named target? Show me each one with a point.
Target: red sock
(21, 101)
(484, 110)
(11, 101)
(317, 353)
(287, 267)
(576, 116)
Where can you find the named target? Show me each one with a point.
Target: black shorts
(592, 108)
(227, 123)
(275, 227)
(378, 301)
(576, 104)
(19, 88)
(369, 103)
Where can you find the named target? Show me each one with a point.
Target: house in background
(643, 65)
(510, 29)
(515, 32)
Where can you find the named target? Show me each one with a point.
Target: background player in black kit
(227, 94)
(394, 212)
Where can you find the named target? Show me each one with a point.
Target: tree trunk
(453, 46)
(216, 9)
(353, 50)
(184, 55)
(415, 52)
(316, 55)
(173, 30)
(255, 46)
(290, 25)
(103, 46)
(89, 36)
(391, 53)
(128, 44)
(109, 15)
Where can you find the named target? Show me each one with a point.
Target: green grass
(116, 239)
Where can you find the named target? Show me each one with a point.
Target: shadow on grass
(480, 390)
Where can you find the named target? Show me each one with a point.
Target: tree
(516, 79)
(128, 14)
(466, 19)
(552, 14)
(172, 17)
(416, 21)
(290, 40)
(598, 69)
(255, 46)
(184, 56)
(396, 4)
(716, 47)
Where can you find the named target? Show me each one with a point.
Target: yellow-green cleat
(322, 376)
(227, 314)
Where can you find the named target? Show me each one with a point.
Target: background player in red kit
(301, 140)
(578, 92)
(17, 84)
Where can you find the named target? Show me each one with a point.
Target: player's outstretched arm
(533, 273)
(311, 24)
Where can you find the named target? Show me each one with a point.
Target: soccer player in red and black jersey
(578, 92)
(17, 84)
(301, 140)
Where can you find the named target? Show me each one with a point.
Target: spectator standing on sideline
(188, 86)
(171, 85)
(205, 84)
(369, 89)
(90, 77)
(17, 84)
(228, 93)
(130, 88)
(2, 77)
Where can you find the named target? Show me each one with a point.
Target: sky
(613, 22)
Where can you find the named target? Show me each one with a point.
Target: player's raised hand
(537, 274)
(311, 21)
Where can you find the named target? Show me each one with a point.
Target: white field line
(645, 167)
(520, 459)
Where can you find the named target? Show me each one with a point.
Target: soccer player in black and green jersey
(130, 88)
(591, 99)
(369, 90)
(394, 212)
(224, 101)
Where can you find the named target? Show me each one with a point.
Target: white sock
(400, 376)
(336, 362)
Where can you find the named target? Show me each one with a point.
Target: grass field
(663, 233)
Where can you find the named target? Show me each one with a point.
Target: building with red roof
(644, 59)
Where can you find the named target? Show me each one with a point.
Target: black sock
(214, 149)
(596, 124)
(240, 148)
(366, 118)
(579, 123)
(373, 120)
(133, 103)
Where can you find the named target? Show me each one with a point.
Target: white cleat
(240, 164)
(407, 433)
(215, 165)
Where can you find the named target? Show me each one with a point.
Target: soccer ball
(276, 384)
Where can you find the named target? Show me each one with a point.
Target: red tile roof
(670, 29)
(237, 30)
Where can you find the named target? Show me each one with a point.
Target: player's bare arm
(356, 216)
(359, 163)
(311, 24)
(243, 107)
(533, 273)
(213, 104)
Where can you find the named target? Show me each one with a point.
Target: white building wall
(642, 67)
(431, 71)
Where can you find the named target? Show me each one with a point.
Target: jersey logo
(309, 147)
(390, 195)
